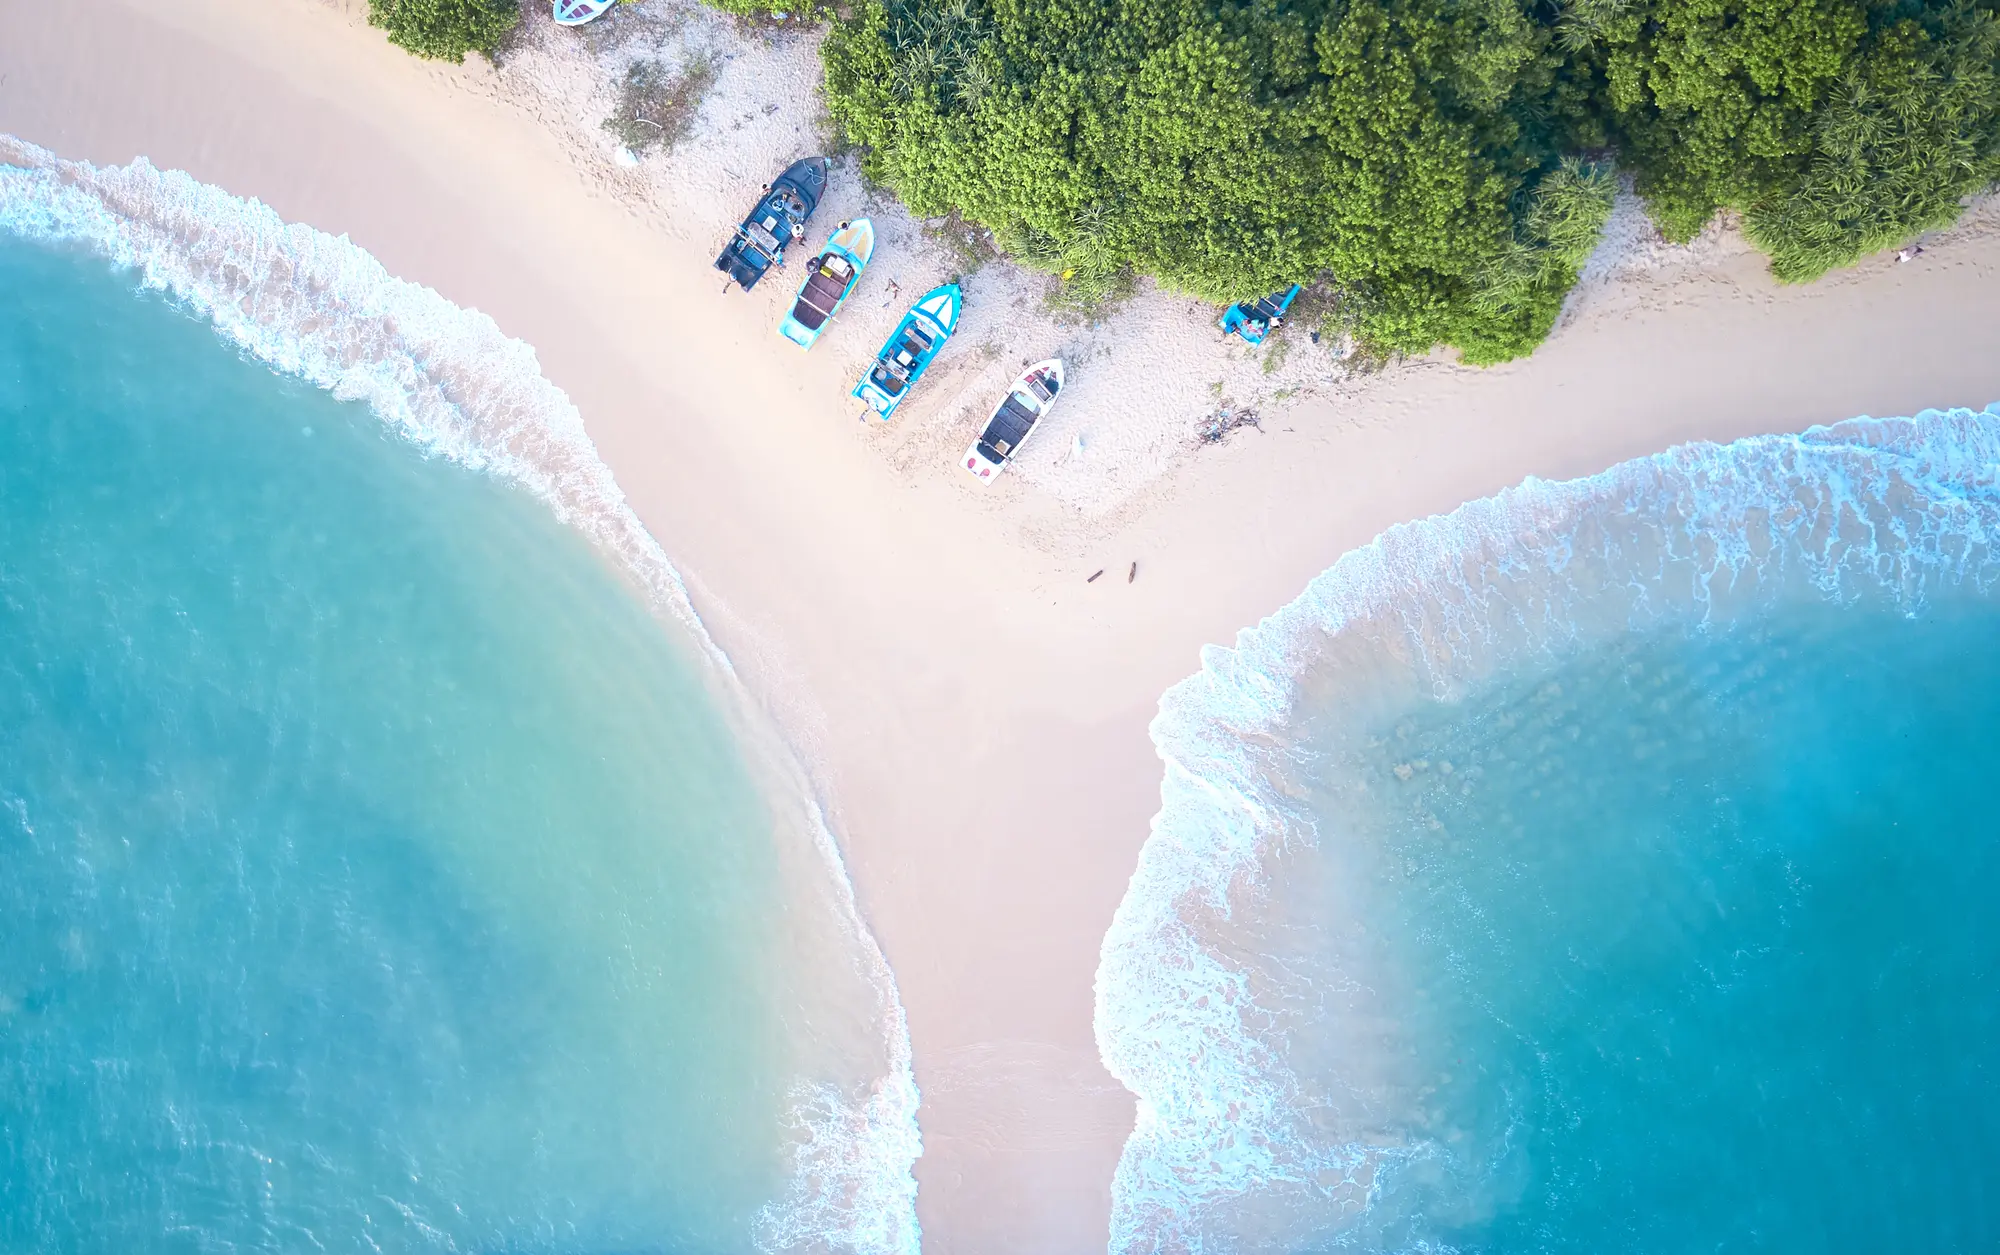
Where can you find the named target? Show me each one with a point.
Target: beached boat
(1027, 403)
(778, 218)
(577, 12)
(830, 278)
(1254, 320)
(908, 351)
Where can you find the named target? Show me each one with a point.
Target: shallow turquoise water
(1605, 867)
(379, 871)
(1692, 941)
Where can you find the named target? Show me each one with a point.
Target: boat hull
(777, 219)
(577, 12)
(1019, 415)
(897, 369)
(852, 243)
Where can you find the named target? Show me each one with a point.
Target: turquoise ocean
(1606, 866)
(390, 862)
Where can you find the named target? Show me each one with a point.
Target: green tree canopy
(445, 30)
(1414, 149)
(1430, 156)
(1837, 127)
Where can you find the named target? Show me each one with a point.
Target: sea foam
(450, 381)
(1894, 512)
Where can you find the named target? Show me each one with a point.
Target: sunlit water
(383, 869)
(1606, 867)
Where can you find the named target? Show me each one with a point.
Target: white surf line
(322, 308)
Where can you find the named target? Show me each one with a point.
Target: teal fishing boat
(1256, 320)
(910, 348)
(577, 12)
(830, 278)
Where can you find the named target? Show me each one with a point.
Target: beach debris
(1132, 574)
(1094, 575)
(1076, 446)
(1905, 254)
(657, 106)
(1217, 427)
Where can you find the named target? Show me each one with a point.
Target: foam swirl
(1899, 509)
(449, 380)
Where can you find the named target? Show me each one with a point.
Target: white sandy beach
(973, 710)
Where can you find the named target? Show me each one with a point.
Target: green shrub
(1523, 289)
(445, 30)
(1837, 127)
(1897, 144)
(657, 106)
(1230, 150)
(1425, 154)
(792, 9)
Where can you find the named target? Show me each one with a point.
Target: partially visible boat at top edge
(910, 348)
(1028, 401)
(577, 12)
(777, 219)
(830, 280)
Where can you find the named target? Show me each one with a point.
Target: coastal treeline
(1445, 166)
(1439, 168)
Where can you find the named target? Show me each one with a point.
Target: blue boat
(830, 280)
(778, 219)
(577, 12)
(909, 349)
(1256, 320)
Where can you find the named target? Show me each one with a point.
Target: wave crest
(449, 380)
(1903, 509)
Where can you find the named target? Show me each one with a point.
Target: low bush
(657, 106)
(1444, 163)
(1836, 127)
(445, 30)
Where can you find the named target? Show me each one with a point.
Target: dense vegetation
(1836, 126)
(1445, 164)
(445, 30)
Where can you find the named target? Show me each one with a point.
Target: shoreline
(257, 284)
(974, 713)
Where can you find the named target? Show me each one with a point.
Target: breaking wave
(1234, 1149)
(447, 379)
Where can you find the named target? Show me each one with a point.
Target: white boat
(1028, 401)
(577, 12)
